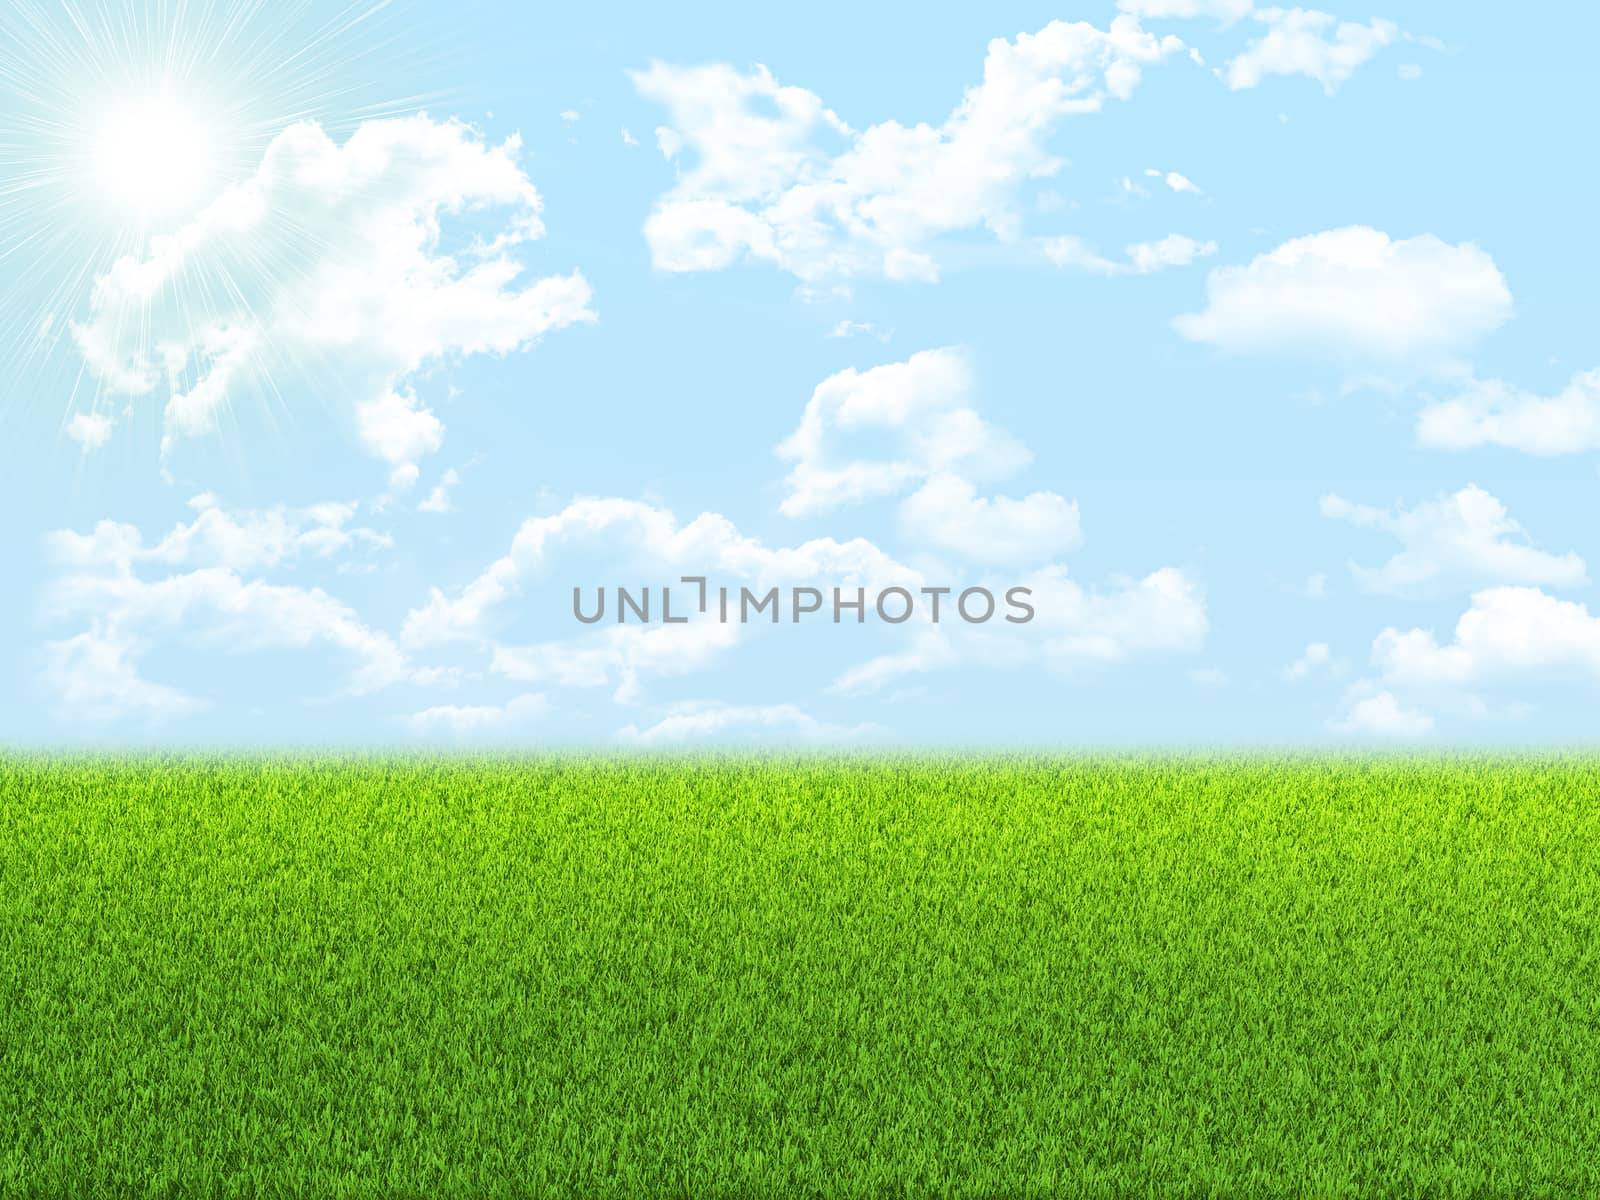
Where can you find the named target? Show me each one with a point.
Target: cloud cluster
(1302, 41)
(109, 581)
(1507, 631)
(717, 721)
(1075, 628)
(769, 173)
(354, 265)
(245, 539)
(1507, 635)
(931, 445)
(1296, 41)
(1356, 296)
(1377, 712)
(1141, 258)
(1464, 536)
(1494, 413)
(469, 721)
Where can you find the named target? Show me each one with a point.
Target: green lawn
(327, 976)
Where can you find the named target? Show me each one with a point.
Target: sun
(153, 157)
(122, 120)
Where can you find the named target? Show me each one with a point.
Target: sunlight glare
(153, 157)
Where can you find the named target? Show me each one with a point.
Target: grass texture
(347, 976)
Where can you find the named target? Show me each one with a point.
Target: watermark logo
(741, 605)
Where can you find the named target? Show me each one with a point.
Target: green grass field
(327, 976)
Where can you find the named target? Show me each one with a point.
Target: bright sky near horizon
(344, 342)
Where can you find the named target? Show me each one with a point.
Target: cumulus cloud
(1301, 41)
(930, 445)
(653, 544)
(438, 500)
(1465, 536)
(1226, 11)
(1493, 413)
(90, 430)
(351, 264)
(244, 539)
(94, 676)
(215, 610)
(1357, 296)
(1507, 636)
(768, 173)
(1379, 713)
(716, 721)
(922, 406)
(104, 584)
(847, 328)
(1141, 258)
(618, 656)
(1074, 628)
(466, 721)
(1297, 41)
(633, 529)
(948, 513)
(1314, 660)
(1507, 631)
(1075, 625)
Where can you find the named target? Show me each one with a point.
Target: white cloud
(1160, 614)
(1209, 677)
(847, 328)
(1356, 295)
(1507, 631)
(1316, 658)
(210, 607)
(472, 721)
(90, 430)
(1381, 714)
(1297, 41)
(94, 676)
(239, 540)
(1464, 536)
(628, 139)
(1493, 413)
(778, 177)
(707, 721)
(570, 115)
(927, 649)
(947, 512)
(1074, 627)
(708, 544)
(1173, 180)
(395, 428)
(1227, 11)
(1506, 635)
(923, 405)
(438, 500)
(337, 263)
(1302, 41)
(618, 656)
(1142, 258)
(930, 444)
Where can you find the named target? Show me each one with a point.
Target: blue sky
(342, 347)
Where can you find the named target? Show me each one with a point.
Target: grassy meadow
(352, 976)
